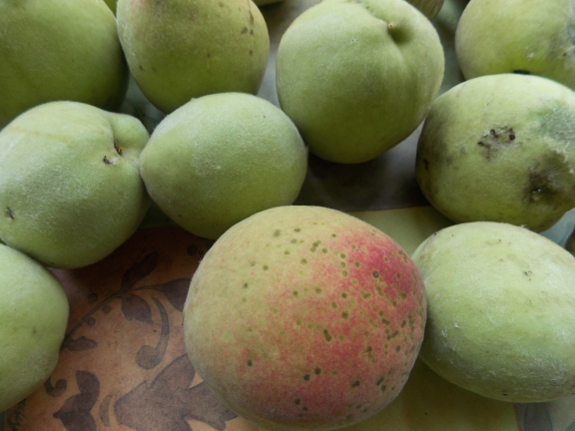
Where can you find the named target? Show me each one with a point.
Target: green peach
(303, 317)
(526, 36)
(500, 303)
(500, 148)
(33, 318)
(70, 186)
(220, 158)
(183, 49)
(59, 50)
(358, 77)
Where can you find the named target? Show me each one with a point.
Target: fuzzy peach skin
(357, 78)
(182, 49)
(501, 304)
(70, 185)
(304, 317)
(59, 50)
(524, 36)
(33, 316)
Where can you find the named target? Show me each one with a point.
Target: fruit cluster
(330, 314)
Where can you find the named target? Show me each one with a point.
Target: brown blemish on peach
(327, 335)
(365, 295)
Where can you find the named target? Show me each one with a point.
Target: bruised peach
(304, 317)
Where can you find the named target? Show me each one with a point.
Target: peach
(303, 317)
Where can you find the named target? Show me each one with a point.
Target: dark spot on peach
(355, 384)
(244, 30)
(317, 370)
(249, 363)
(303, 261)
(344, 295)
(8, 212)
(297, 401)
(306, 377)
(295, 293)
(397, 348)
(380, 381)
(304, 408)
(403, 323)
(383, 388)
(297, 229)
(318, 290)
(324, 250)
(265, 267)
(277, 233)
(345, 315)
(333, 305)
(397, 276)
(327, 335)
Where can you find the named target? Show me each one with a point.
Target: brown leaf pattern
(168, 400)
(76, 414)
